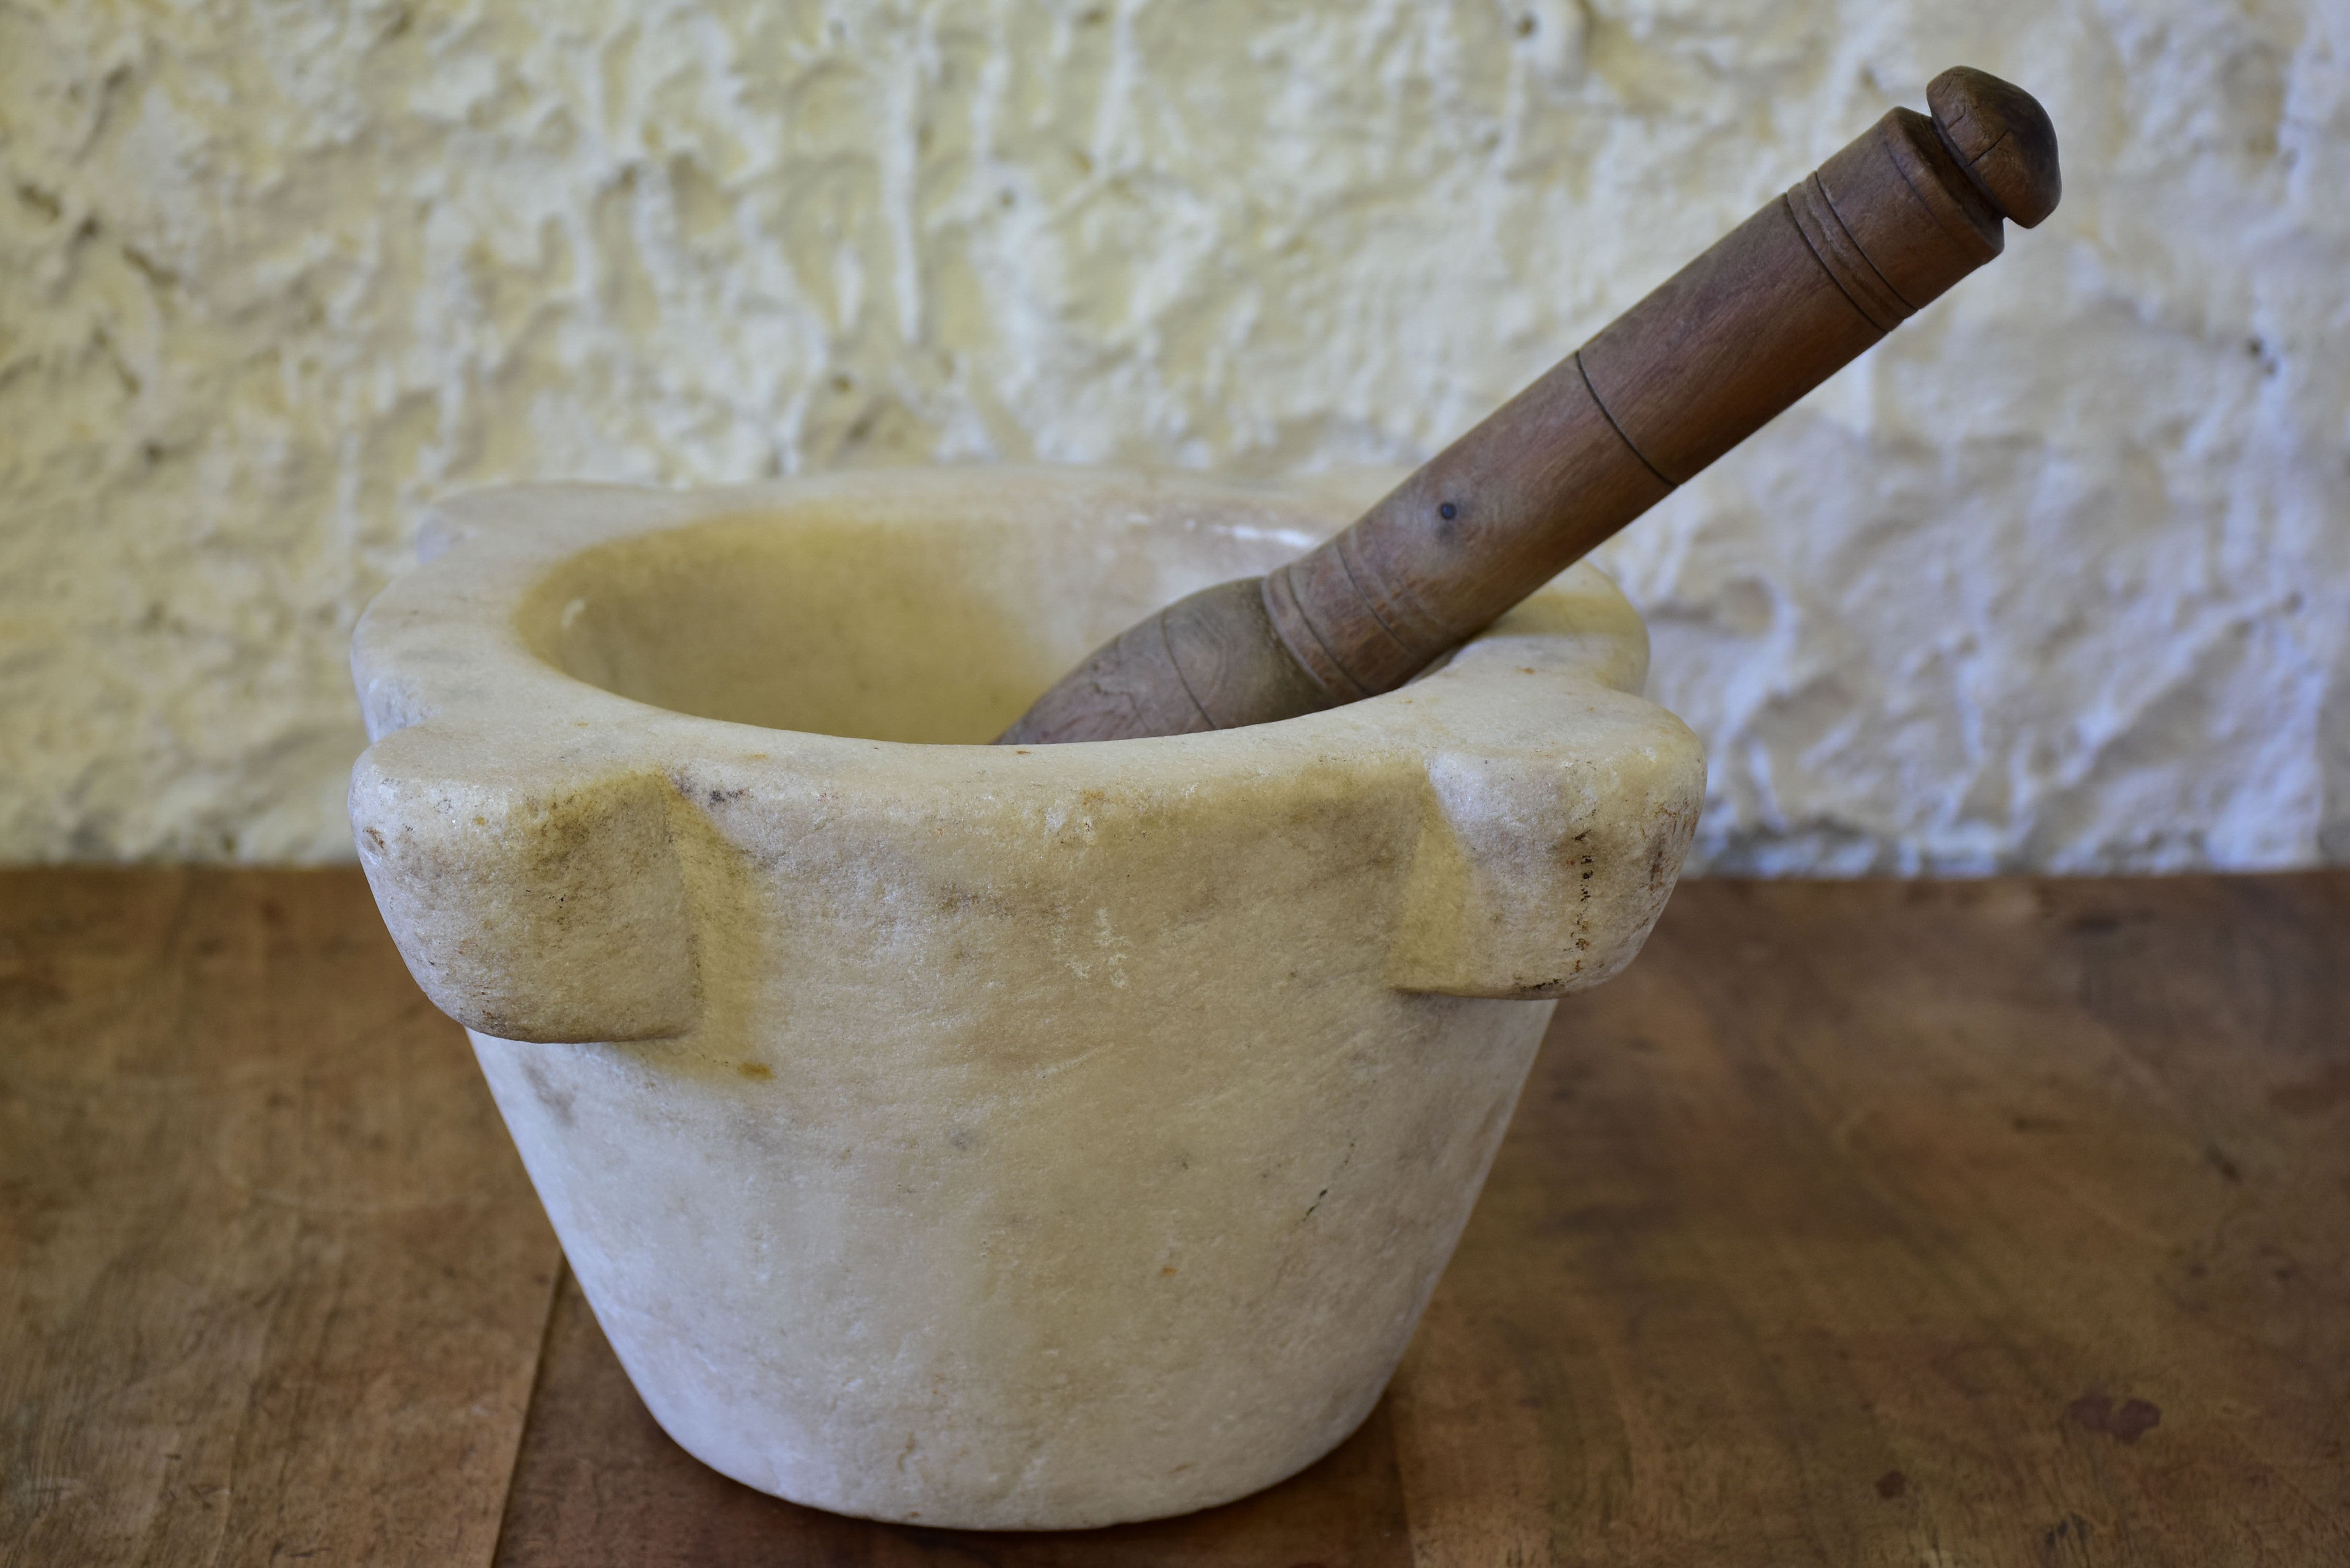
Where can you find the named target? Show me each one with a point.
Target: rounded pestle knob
(2002, 138)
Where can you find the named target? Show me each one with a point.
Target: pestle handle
(1772, 309)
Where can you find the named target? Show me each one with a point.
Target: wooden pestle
(1771, 311)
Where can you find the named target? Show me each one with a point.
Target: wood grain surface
(1981, 1223)
(272, 1281)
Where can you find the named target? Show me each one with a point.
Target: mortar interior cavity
(880, 627)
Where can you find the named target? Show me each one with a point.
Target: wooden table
(1959, 1224)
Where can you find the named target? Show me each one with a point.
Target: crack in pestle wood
(1778, 304)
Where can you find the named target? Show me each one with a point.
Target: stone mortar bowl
(962, 1135)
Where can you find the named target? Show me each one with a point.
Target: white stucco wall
(2055, 577)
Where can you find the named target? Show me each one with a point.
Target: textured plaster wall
(2056, 577)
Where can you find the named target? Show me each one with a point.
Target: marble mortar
(962, 1135)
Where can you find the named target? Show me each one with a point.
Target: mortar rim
(484, 552)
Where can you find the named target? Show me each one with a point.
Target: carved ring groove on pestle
(1841, 257)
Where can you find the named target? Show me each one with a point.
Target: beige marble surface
(976, 1135)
